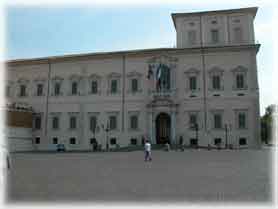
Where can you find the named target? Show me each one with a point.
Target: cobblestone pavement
(189, 176)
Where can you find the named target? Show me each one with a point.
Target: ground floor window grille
(55, 140)
(37, 140)
(193, 141)
(133, 141)
(217, 141)
(72, 140)
(242, 141)
(113, 141)
(93, 141)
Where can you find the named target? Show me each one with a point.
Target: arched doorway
(163, 128)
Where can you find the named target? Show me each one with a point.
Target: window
(114, 86)
(239, 81)
(192, 83)
(55, 140)
(192, 120)
(216, 82)
(37, 140)
(214, 36)
(57, 89)
(8, 91)
(113, 122)
(242, 141)
(55, 122)
(134, 122)
(241, 120)
(134, 85)
(74, 88)
(93, 141)
(72, 122)
(238, 34)
(94, 87)
(193, 141)
(37, 122)
(93, 123)
(39, 90)
(22, 92)
(192, 37)
(217, 121)
(133, 141)
(217, 141)
(113, 141)
(72, 140)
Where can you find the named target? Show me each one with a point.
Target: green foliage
(267, 124)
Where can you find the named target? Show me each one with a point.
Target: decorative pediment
(192, 70)
(216, 70)
(57, 78)
(22, 80)
(134, 74)
(113, 75)
(39, 79)
(239, 68)
(75, 77)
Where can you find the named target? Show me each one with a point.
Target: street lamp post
(196, 129)
(107, 130)
(226, 136)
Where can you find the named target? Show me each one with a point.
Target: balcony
(162, 94)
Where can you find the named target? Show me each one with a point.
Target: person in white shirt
(148, 151)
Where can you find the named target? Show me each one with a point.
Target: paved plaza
(189, 176)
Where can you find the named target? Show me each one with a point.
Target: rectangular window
(57, 88)
(74, 88)
(37, 140)
(241, 120)
(113, 141)
(94, 87)
(73, 122)
(72, 140)
(192, 120)
(93, 123)
(114, 86)
(217, 141)
(217, 121)
(192, 83)
(55, 140)
(192, 37)
(134, 85)
(7, 91)
(238, 34)
(93, 141)
(37, 122)
(39, 90)
(22, 90)
(113, 122)
(133, 141)
(134, 122)
(216, 82)
(242, 141)
(55, 123)
(193, 141)
(214, 36)
(240, 81)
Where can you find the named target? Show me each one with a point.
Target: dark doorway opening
(163, 128)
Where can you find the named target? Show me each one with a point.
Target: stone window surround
(237, 112)
(212, 122)
(76, 115)
(36, 82)
(52, 115)
(113, 113)
(25, 82)
(98, 125)
(134, 75)
(216, 71)
(75, 78)
(55, 80)
(193, 112)
(97, 78)
(114, 76)
(10, 85)
(239, 70)
(130, 114)
(189, 73)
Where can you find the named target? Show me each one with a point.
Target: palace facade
(203, 91)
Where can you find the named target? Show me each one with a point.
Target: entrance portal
(163, 128)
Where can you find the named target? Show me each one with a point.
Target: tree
(267, 123)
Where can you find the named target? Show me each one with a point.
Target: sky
(40, 30)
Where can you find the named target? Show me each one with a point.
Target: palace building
(204, 91)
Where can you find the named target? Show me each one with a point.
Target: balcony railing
(163, 94)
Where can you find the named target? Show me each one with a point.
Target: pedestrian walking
(148, 151)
